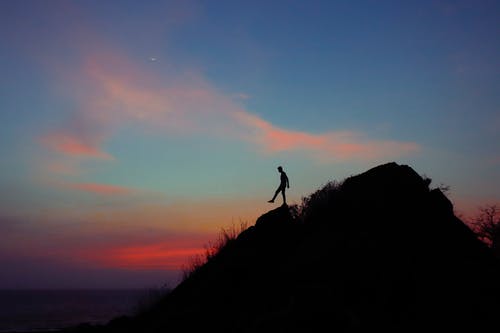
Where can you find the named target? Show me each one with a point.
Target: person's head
(280, 169)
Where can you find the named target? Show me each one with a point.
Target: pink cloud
(193, 105)
(61, 166)
(73, 145)
(185, 103)
(97, 188)
(122, 93)
(339, 144)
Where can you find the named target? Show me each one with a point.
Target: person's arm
(287, 182)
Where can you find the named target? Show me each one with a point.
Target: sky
(132, 132)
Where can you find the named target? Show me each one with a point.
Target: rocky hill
(379, 251)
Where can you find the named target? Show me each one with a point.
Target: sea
(53, 310)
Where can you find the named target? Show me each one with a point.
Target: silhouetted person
(283, 184)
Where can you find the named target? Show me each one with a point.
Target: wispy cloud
(340, 145)
(97, 188)
(123, 93)
(73, 145)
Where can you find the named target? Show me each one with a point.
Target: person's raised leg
(275, 194)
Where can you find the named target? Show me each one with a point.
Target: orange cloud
(186, 104)
(104, 189)
(339, 144)
(122, 93)
(192, 105)
(73, 146)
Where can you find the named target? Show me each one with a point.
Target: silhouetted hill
(379, 251)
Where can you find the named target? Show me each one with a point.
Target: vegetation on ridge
(378, 250)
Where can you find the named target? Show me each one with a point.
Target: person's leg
(275, 194)
(284, 196)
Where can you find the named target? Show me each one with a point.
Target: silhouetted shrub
(295, 211)
(397, 260)
(487, 226)
(319, 203)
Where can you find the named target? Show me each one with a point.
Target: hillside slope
(379, 251)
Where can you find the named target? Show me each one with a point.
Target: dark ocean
(37, 310)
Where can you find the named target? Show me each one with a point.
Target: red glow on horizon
(162, 256)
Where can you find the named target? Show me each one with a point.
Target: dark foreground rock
(381, 251)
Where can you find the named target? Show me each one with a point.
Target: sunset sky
(133, 131)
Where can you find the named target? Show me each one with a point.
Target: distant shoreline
(60, 310)
(37, 331)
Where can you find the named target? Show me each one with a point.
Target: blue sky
(148, 126)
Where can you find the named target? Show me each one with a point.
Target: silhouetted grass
(317, 203)
(212, 249)
(377, 251)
